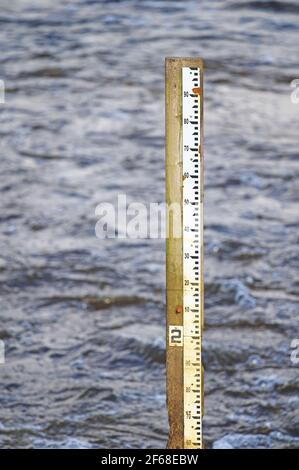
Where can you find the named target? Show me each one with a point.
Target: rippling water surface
(83, 319)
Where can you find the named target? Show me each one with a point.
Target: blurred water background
(83, 319)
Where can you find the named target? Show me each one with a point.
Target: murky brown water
(83, 319)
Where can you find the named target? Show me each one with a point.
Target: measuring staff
(184, 253)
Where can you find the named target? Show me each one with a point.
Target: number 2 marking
(175, 335)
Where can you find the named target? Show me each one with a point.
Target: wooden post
(174, 246)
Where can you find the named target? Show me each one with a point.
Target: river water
(83, 319)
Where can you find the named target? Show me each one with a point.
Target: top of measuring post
(186, 61)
